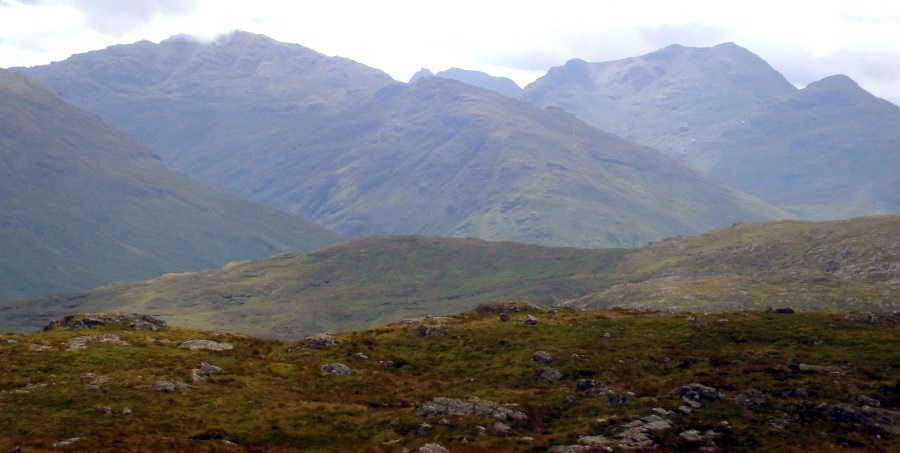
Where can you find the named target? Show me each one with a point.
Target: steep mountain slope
(440, 157)
(668, 99)
(82, 204)
(434, 157)
(833, 266)
(831, 150)
(828, 151)
(187, 99)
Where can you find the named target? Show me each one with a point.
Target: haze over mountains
(346, 146)
(830, 150)
(83, 204)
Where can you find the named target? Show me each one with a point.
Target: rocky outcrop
(80, 343)
(696, 396)
(320, 341)
(98, 320)
(443, 407)
(206, 345)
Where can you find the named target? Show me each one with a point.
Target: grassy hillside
(341, 144)
(832, 266)
(82, 204)
(757, 382)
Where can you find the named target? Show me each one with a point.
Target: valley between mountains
(246, 245)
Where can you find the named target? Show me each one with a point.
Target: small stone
(337, 369)
(570, 400)
(547, 375)
(661, 411)
(864, 400)
(750, 398)
(684, 410)
(207, 369)
(360, 357)
(423, 430)
(691, 435)
(433, 448)
(793, 364)
(542, 357)
(164, 386)
(530, 320)
(500, 428)
(504, 317)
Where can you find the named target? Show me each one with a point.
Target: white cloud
(805, 40)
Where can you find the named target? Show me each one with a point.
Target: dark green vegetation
(344, 145)
(832, 266)
(827, 151)
(274, 396)
(82, 204)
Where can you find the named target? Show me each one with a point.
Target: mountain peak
(421, 74)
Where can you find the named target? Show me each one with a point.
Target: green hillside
(741, 382)
(825, 152)
(830, 150)
(344, 145)
(366, 282)
(82, 204)
(669, 99)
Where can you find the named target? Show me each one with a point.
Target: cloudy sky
(804, 40)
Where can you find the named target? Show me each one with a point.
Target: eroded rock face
(442, 407)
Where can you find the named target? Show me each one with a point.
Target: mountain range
(346, 146)
(836, 266)
(830, 150)
(83, 204)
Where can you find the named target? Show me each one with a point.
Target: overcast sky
(804, 40)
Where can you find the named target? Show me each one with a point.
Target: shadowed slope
(82, 204)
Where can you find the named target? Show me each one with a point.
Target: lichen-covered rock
(206, 345)
(337, 369)
(442, 407)
(97, 320)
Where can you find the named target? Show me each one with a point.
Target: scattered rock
(596, 389)
(570, 400)
(97, 320)
(530, 320)
(569, 449)
(593, 440)
(750, 398)
(80, 343)
(793, 364)
(202, 372)
(876, 421)
(337, 369)
(695, 436)
(548, 375)
(784, 311)
(106, 410)
(320, 341)
(697, 395)
(500, 429)
(433, 448)
(8, 341)
(40, 347)
(164, 386)
(360, 357)
(442, 407)
(206, 345)
(864, 400)
(504, 317)
(542, 357)
(423, 430)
